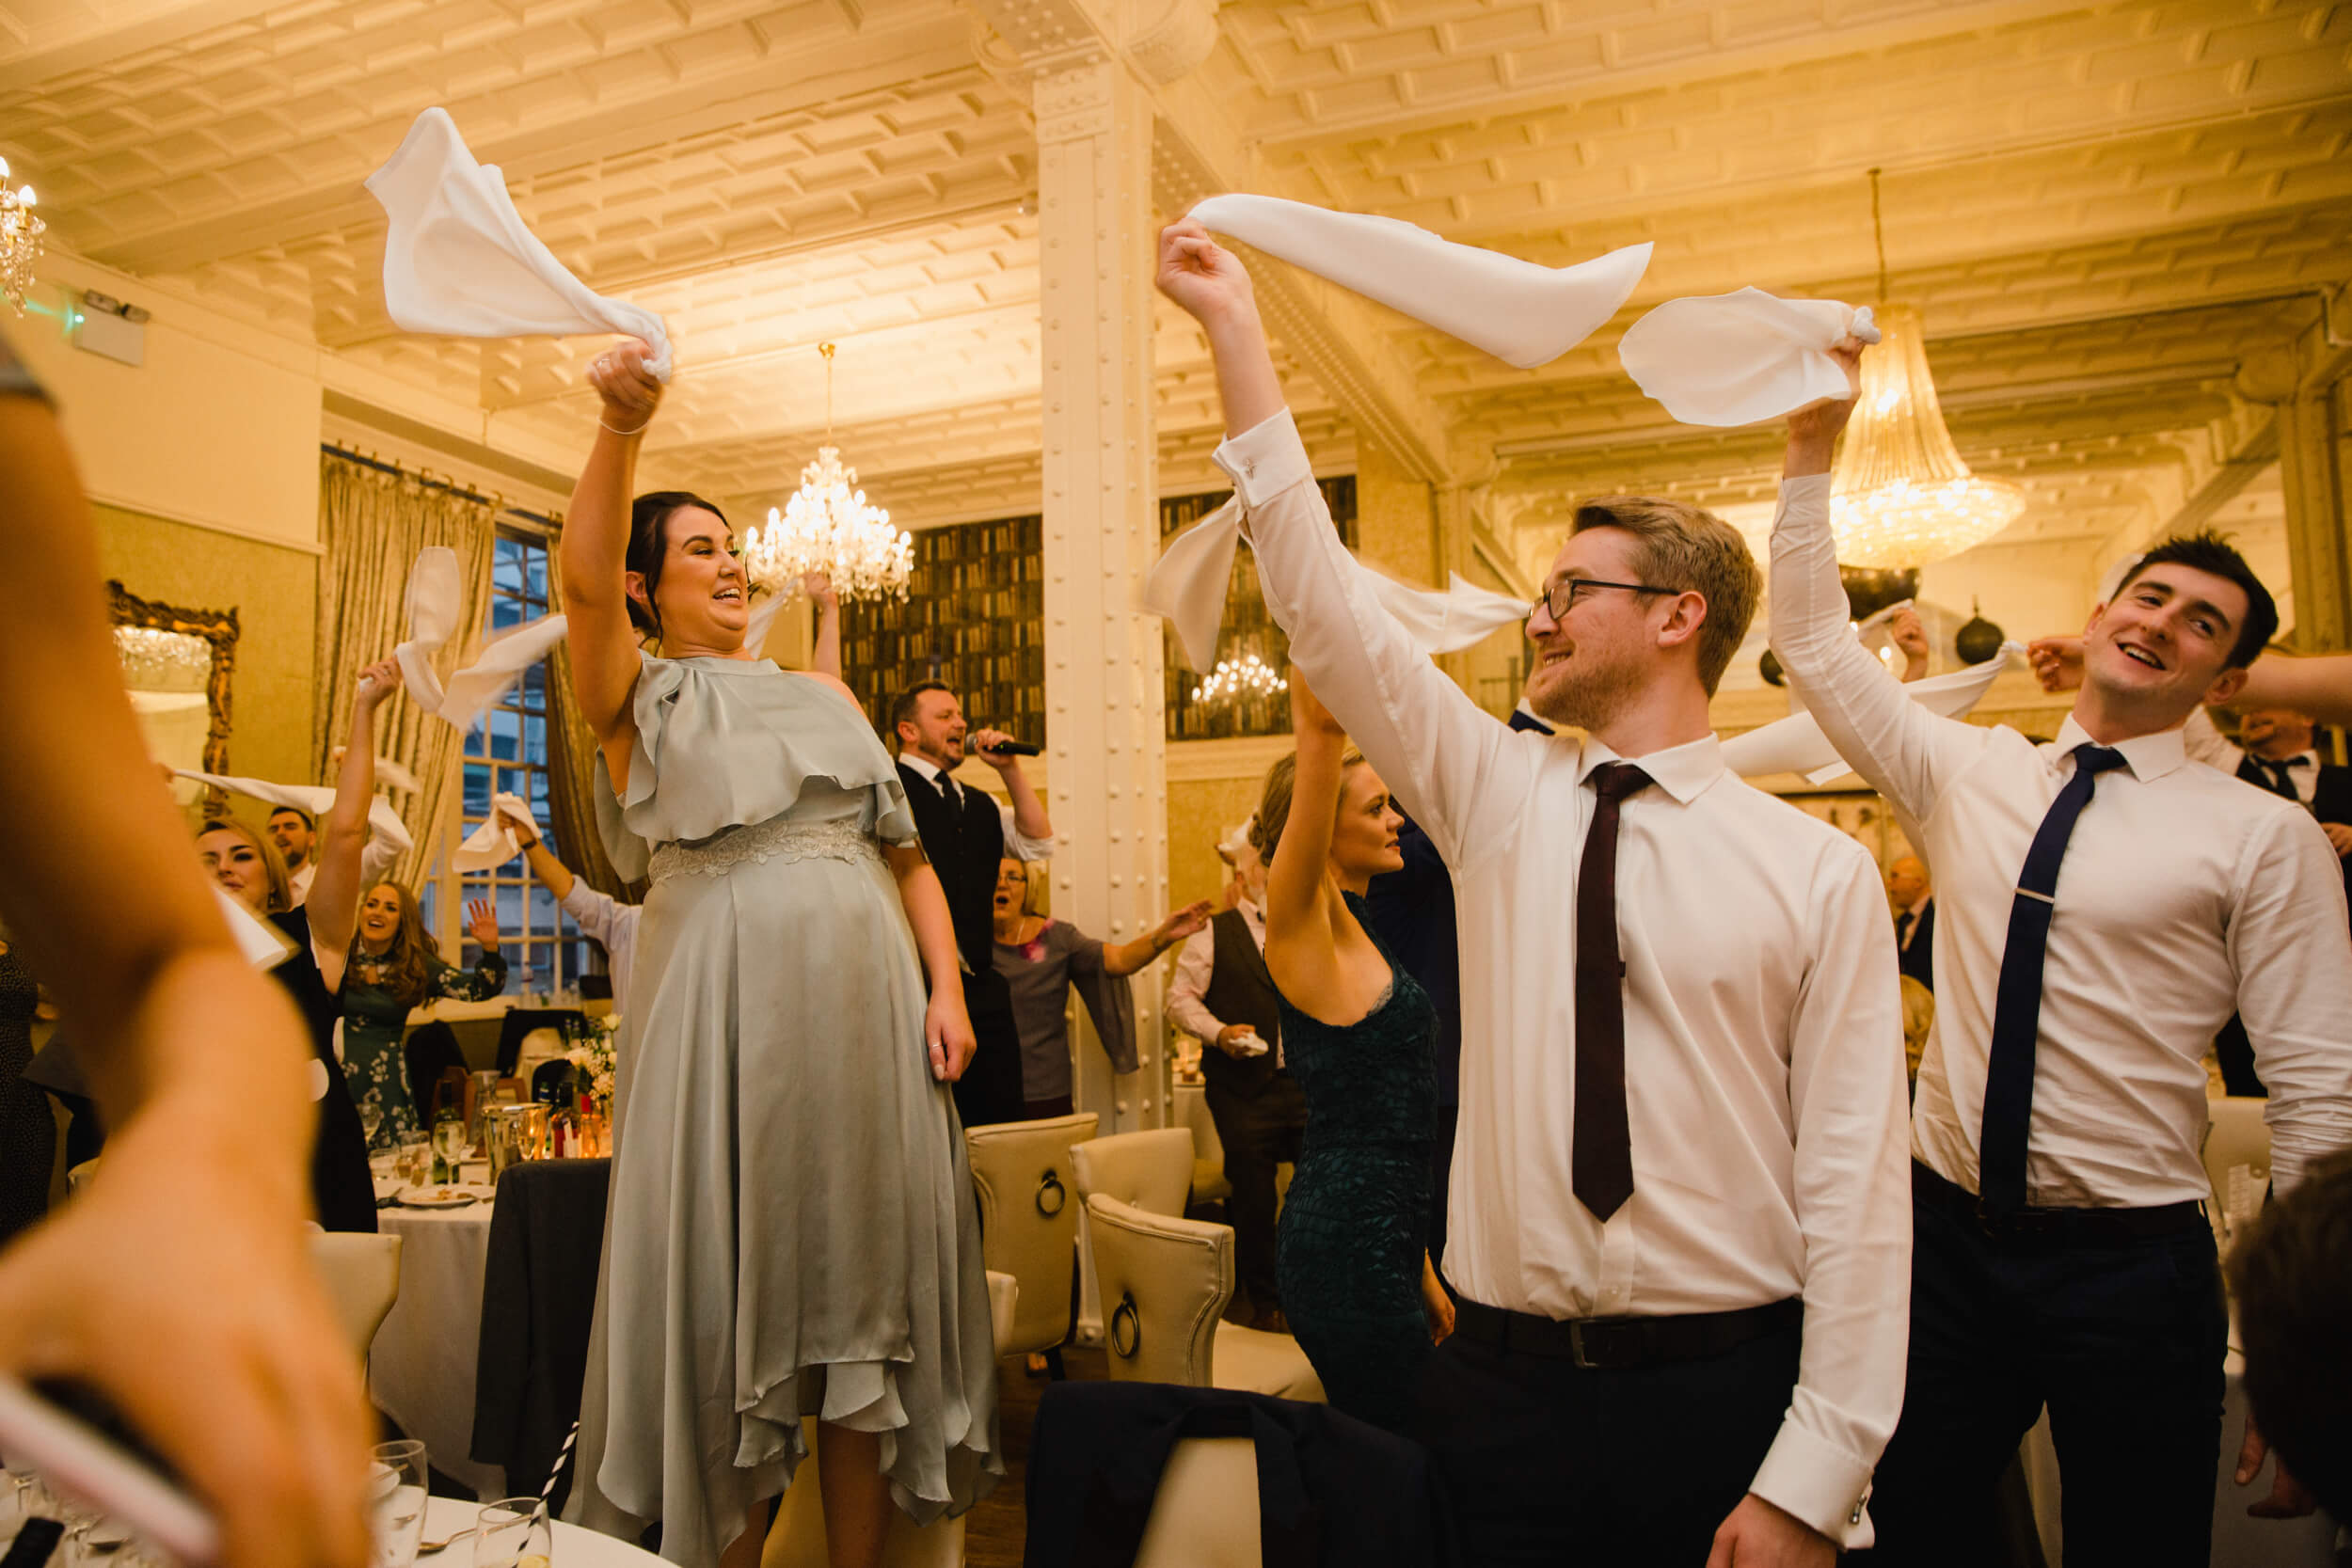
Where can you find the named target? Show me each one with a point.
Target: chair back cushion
(1030, 1218)
(1164, 1283)
(362, 1277)
(1150, 1171)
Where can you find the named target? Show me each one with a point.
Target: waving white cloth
(263, 946)
(388, 836)
(458, 262)
(1188, 585)
(494, 842)
(434, 592)
(1796, 744)
(1522, 313)
(1734, 359)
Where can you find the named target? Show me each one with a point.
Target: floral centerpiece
(591, 1054)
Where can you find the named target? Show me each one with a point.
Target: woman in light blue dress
(792, 1231)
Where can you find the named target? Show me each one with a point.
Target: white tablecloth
(575, 1548)
(420, 1370)
(2238, 1541)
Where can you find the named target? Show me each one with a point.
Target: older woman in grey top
(1041, 959)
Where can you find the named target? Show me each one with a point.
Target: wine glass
(396, 1488)
(450, 1141)
(371, 1115)
(513, 1533)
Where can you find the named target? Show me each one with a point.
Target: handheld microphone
(1011, 748)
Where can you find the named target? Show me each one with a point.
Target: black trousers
(2124, 1341)
(1544, 1463)
(1259, 1132)
(1440, 1181)
(989, 1090)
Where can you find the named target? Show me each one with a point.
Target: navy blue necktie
(2017, 1007)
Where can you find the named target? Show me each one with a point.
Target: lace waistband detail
(778, 838)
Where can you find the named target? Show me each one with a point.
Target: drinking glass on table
(396, 1487)
(370, 1116)
(450, 1141)
(514, 1532)
(414, 1162)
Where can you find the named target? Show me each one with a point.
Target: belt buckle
(1576, 1347)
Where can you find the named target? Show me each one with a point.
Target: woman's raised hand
(630, 392)
(483, 926)
(1202, 276)
(377, 682)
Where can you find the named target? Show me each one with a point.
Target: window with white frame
(508, 753)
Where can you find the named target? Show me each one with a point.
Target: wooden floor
(996, 1529)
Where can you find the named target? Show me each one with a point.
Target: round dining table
(574, 1547)
(421, 1369)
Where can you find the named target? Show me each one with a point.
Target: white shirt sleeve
(1905, 752)
(1020, 846)
(599, 914)
(1443, 754)
(2205, 743)
(376, 858)
(1194, 966)
(1852, 1188)
(2287, 941)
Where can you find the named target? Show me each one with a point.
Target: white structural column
(1106, 733)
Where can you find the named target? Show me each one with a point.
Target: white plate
(441, 1198)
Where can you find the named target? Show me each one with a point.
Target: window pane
(506, 735)
(534, 739)
(477, 791)
(506, 566)
(506, 611)
(535, 582)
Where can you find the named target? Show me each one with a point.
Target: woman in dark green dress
(1360, 1035)
(28, 1135)
(394, 968)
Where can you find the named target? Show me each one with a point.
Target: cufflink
(1855, 1517)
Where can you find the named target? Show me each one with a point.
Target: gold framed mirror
(170, 656)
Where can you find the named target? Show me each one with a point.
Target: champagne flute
(396, 1489)
(371, 1115)
(514, 1532)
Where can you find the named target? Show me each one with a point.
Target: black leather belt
(1621, 1344)
(2058, 1227)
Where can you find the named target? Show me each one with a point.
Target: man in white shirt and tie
(1914, 897)
(1678, 1224)
(2105, 904)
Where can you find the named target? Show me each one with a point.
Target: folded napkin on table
(458, 262)
(1521, 312)
(1734, 359)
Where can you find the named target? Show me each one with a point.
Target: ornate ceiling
(2103, 210)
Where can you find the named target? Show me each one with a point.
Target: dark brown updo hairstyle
(650, 517)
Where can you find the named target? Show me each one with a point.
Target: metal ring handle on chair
(1126, 1312)
(1050, 1182)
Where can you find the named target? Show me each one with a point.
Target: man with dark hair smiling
(2106, 903)
(296, 833)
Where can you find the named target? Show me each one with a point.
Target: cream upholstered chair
(1150, 1171)
(1205, 1513)
(538, 1047)
(79, 1177)
(1029, 1218)
(1164, 1283)
(1209, 1184)
(362, 1277)
(796, 1539)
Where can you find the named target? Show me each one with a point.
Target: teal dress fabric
(374, 1025)
(1356, 1221)
(792, 1228)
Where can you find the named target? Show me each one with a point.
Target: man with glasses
(1678, 1225)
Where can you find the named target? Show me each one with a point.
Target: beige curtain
(373, 524)
(572, 767)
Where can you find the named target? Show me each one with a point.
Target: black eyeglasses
(1561, 596)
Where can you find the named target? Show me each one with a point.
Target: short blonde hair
(1690, 550)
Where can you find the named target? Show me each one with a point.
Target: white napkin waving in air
(1186, 585)
(1736, 359)
(434, 592)
(494, 842)
(458, 262)
(1521, 312)
(1796, 744)
(388, 836)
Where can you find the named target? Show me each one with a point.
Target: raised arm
(1441, 754)
(1895, 743)
(334, 902)
(596, 552)
(1128, 956)
(825, 657)
(2318, 686)
(1300, 950)
(179, 1283)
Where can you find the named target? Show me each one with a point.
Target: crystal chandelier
(1238, 680)
(1901, 496)
(20, 240)
(828, 526)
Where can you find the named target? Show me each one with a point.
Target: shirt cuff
(1807, 486)
(1811, 1477)
(1264, 460)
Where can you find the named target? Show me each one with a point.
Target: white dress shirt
(376, 858)
(2205, 743)
(1195, 966)
(1020, 846)
(2185, 895)
(612, 923)
(300, 882)
(1764, 1068)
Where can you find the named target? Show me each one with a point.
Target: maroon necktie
(1601, 1157)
